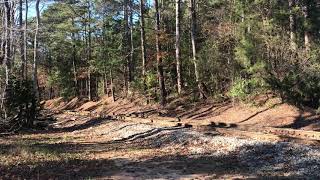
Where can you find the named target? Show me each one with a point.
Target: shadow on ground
(261, 160)
(168, 166)
(302, 121)
(78, 126)
(91, 123)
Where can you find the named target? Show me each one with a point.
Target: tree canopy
(204, 48)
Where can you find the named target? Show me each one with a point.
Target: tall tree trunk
(26, 41)
(7, 37)
(21, 44)
(307, 43)
(86, 92)
(89, 85)
(89, 52)
(105, 72)
(50, 65)
(126, 44)
(3, 35)
(143, 48)
(163, 93)
(12, 33)
(179, 81)
(6, 61)
(35, 54)
(21, 39)
(111, 84)
(292, 24)
(194, 46)
(128, 49)
(74, 66)
(131, 65)
(105, 83)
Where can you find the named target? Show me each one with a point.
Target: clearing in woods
(125, 140)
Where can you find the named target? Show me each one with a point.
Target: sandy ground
(97, 148)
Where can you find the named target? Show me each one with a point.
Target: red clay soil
(270, 112)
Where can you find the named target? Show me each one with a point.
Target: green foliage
(151, 80)
(300, 85)
(138, 85)
(21, 105)
(243, 47)
(63, 81)
(244, 52)
(242, 89)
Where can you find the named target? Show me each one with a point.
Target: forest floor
(87, 147)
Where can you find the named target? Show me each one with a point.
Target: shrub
(243, 88)
(21, 105)
(300, 86)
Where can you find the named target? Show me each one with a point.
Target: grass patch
(26, 151)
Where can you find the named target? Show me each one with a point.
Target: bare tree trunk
(3, 35)
(128, 44)
(143, 48)
(127, 52)
(74, 62)
(35, 54)
(74, 67)
(26, 41)
(194, 46)
(111, 84)
(96, 91)
(12, 33)
(86, 87)
(292, 21)
(89, 85)
(2, 52)
(159, 58)
(105, 83)
(50, 65)
(7, 33)
(178, 14)
(7, 59)
(21, 39)
(131, 65)
(85, 37)
(89, 53)
(307, 42)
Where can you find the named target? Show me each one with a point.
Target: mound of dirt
(74, 103)
(270, 112)
(88, 106)
(54, 103)
(59, 104)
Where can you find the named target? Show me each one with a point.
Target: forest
(211, 49)
(242, 67)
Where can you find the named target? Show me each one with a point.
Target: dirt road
(88, 148)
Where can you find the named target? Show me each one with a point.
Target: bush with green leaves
(299, 86)
(242, 88)
(21, 106)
